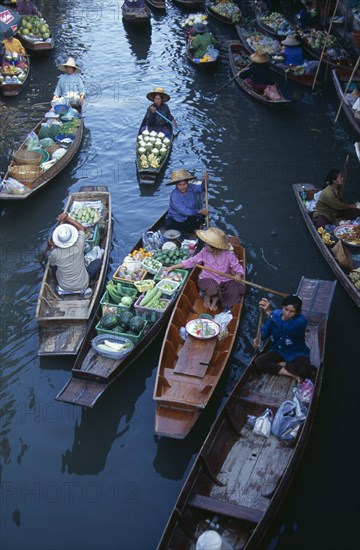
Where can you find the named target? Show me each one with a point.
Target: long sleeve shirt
(69, 84)
(13, 45)
(293, 55)
(259, 73)
(183, 205)
(329, 204)
(201, 42)
(226, 262)
(156, 121)
(287, 337)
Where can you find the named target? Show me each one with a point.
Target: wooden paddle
(258, 333)
(206, 180)
(324, 46)
(347, 87)
(42, 257)
(243, 281)
(231, 79)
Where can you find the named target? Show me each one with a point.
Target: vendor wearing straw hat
(216, 254)
(153, 119)
(293, 53)
(184, 213)
(70, 85)
(203, 39)
(258, 75)
(67, 257)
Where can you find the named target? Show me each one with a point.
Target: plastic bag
(13, 186)
(271, 92)
(152, 240)
(304, 392)
(94, 254)
(223, 319)
(263, 423)
(32, 141)
(288, 420)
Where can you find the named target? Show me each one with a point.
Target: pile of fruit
(264, 44)
(317, 40)
(139, 255)
(326, 237)
(278, 23)
(34, 27)
(227, 9)
(173, 256)
(191, 20)
(11, 73)
(151, 149)
(86, 216)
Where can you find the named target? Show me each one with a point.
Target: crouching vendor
(67, 258)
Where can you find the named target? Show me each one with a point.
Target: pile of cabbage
(227, 9)
(151, 149)
(191, 20)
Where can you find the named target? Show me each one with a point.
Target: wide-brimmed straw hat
(290, 40)
(158, 91)
(258, 57)
(200, 28)
(65, 235)
(180, 175)
(214, 237)
(69, 63)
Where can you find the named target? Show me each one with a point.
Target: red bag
(271, 92)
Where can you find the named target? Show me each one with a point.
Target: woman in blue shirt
(184, 213)
(288, 354)
(293, 53)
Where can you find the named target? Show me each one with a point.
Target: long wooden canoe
(273, 31)
(239, 477)
(36, 46)
(50, 173)
(184, 386)
(247, 37)
(92, 374)
(190, 4)
(157, 4)
(228, 20)
(341, 58)
(239, 59)
(65, 320)
(147, 176)
(136, 16)
(10, 89)
(340, 77)
(326, 250)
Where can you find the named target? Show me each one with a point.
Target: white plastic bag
(263, 423)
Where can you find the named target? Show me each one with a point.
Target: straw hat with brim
(258, 57)
(290, 40)
(65, 235)
(180, 175)
(214, 237)
(69, 63)
(158, 91)
(200, 28)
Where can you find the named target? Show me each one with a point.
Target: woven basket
(23, 156)
(343, 256)
(52, 148)
(24, 173)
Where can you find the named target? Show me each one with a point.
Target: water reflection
(139, 39)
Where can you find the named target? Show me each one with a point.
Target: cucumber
(155, 298)
(148, 296)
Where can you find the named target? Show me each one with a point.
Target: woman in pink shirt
(216, 254)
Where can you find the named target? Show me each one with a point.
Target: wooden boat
(189, 370)
(333, 56)
(209, 64)
(239, 59)
(46, 175)
(157, 4)
(340, 77)
(247, 36)
(326, 250)
(65, 320)
(273, 31)
(92, 374)
(136, 16)
(227, 19)
(35, 46)
(239, 477)
(357, 149)
(147, 176)
(14, 88)
(191, 4)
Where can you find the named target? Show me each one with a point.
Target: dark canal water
(100, 480)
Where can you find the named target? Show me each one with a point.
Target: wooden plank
(219, 507)
(81, 392)
(61, 339)
(195, 356)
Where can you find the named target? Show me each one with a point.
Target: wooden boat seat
(217, 506)
(185, 389)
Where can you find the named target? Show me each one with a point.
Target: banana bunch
(143, 161)
(326, 237)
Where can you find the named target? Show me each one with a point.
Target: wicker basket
(343, 256)
(52, 148)
(23, 156)
(24, 173)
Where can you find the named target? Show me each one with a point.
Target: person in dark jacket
(154, 115)
(203, 39)
(258, 75)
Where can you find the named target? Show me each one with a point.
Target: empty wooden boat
(342, 272)
(341, 76)
(65, 320)
(189, 370)
(239, 479)
(136, 15)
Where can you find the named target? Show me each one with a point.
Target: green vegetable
(109, 321)
(124, 319)
(126, 301)
(150, 294)
(136, 324)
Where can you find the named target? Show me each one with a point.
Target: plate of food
(348, 233)
(203, 329)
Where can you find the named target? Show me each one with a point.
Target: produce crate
(126, 282)
(167, 282)
(153, 267)
(108, 307)
(92, 238)
(149, 313)
(146, 284)
(183, 272)
(117, 332)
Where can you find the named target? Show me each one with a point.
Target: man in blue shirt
(184, 213)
